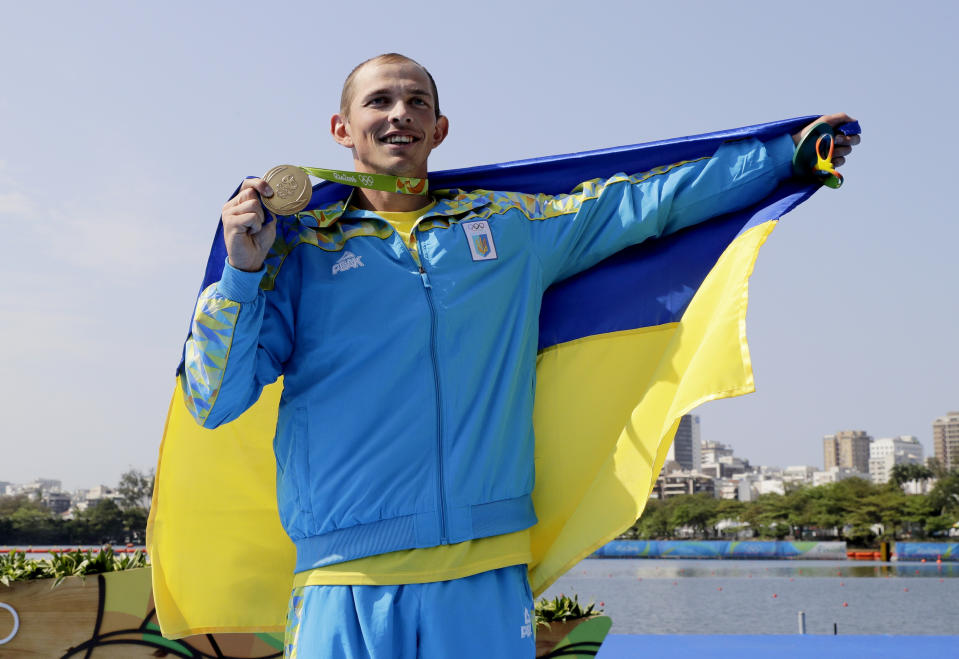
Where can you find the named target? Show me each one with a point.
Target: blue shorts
(484, 615)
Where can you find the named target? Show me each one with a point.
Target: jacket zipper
(428, 289)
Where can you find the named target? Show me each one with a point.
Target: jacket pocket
(292, 473)
(301, 456)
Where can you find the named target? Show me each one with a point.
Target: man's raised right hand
(247, 235)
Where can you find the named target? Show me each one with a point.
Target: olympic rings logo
(16, 623)
(478, 226)
(366, 180)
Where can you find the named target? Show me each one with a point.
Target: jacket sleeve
(239, 340)
(573, 232)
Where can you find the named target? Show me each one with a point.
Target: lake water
(685, 596)
(662, 596)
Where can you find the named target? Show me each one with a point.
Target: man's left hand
(844, 143)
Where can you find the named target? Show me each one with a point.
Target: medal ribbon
(383, 182)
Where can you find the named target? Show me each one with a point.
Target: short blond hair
(346, 96)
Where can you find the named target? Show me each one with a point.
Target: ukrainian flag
(625, 350)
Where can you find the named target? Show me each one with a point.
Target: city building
(799, 474)
(687, 444)
(945, 440)
(36, 488)
(711, 452)
(887, 452)
(676, 483)
(57, 502)
(726, 488)
(96, 494)
(46, 485)
(747, 491)
(769, 486)
(713, 470)
(847, 448)
(835, 474)
(728, 467)
(718, 461)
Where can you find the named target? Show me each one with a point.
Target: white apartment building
(711, 452)
(799, 474)
(36, 488)
(770, 486)
(887, 452)
(681, 482)
(835, 474)
(94, 494)
(46, 485)
(746, 490)
(727, 488)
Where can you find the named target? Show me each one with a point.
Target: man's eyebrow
(416, 91)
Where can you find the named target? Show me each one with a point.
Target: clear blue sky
(124, 126)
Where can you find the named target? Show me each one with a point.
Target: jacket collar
(449, 204)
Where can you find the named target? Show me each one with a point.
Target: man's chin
(399, 167)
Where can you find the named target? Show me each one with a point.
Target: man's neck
(389, 202)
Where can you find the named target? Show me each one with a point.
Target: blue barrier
(930, 551)
(721, 549)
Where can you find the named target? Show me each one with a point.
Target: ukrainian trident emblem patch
(480, 238)
(481, 243)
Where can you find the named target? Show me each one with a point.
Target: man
(405, 328)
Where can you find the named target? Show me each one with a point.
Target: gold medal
(291, 189)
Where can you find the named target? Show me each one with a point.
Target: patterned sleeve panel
(207, 350)
(240, 338)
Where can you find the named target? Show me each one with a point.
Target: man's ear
(441, 130)
(340, 131)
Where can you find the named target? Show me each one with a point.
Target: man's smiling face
(391, 123)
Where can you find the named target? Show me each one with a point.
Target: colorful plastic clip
(809, 160)
(824, 168)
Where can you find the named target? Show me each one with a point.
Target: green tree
(908, 473)
(944, 501)
(936, 467)
(726, 510)
(826, 509)
(884, 507)
(849, 496)
(135, 489)
(26, 521)
(135, 525)
(945, 493)
(800, 512)
(768, 516)
(694, 510)
(653, 523)
(849, 510)
(32, 526)
(917, 512)
(10, 504)
(101, 523)
(939, 524)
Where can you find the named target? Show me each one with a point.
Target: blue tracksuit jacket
(406, 415)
